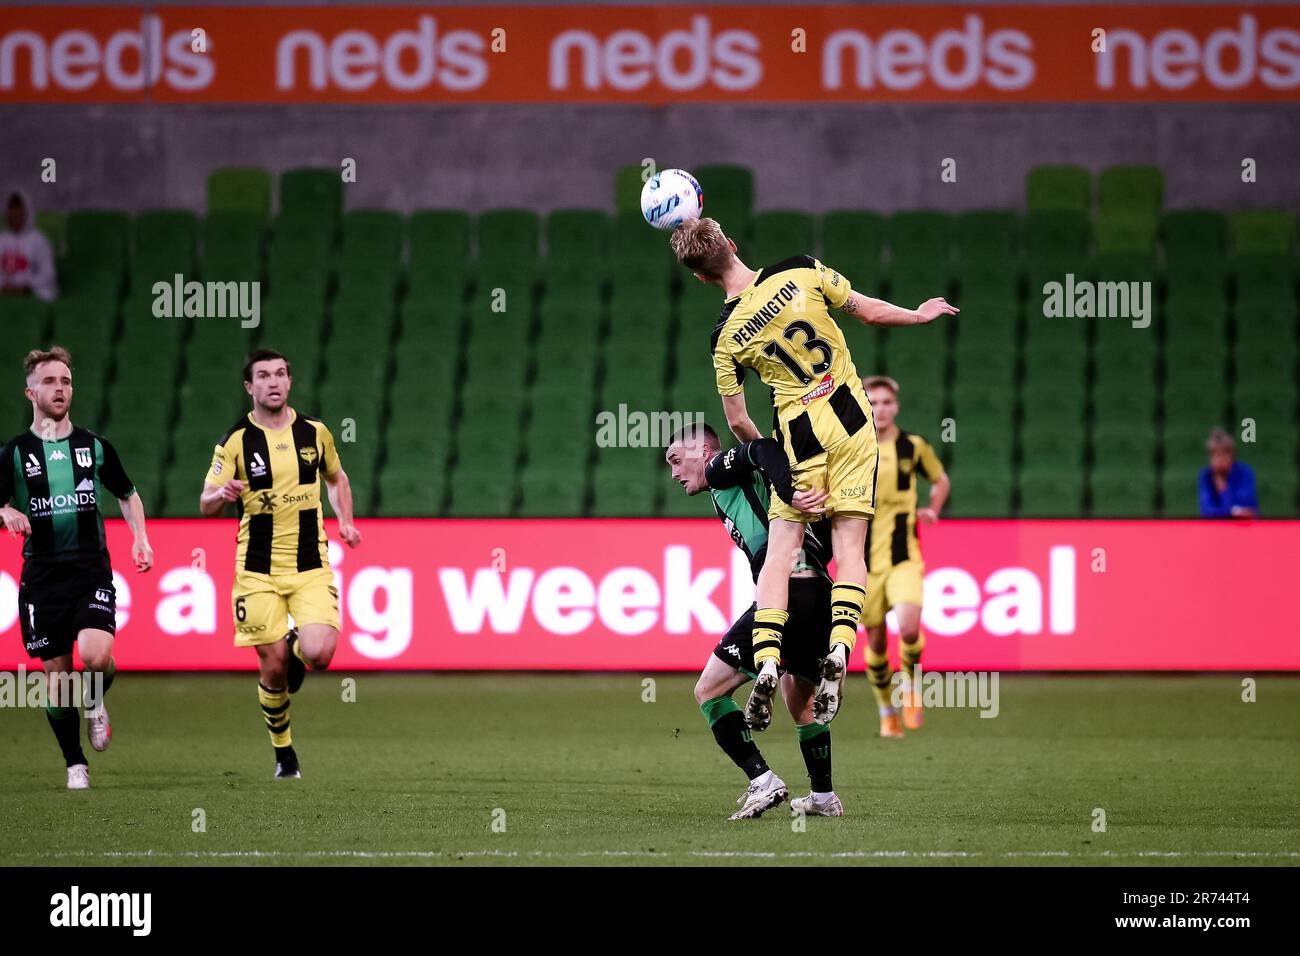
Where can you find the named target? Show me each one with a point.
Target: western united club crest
(83, 457)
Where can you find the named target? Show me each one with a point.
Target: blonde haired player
(895, 569)
(777, 321)
(271, 462)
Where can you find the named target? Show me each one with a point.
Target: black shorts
(807, 632)
(54, 605)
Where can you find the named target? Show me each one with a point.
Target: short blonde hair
(880, 381)
(1219, 438)
(699, 245)
(35, 357)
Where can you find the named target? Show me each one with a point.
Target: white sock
(822, 797)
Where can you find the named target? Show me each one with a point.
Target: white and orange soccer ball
(670, 197)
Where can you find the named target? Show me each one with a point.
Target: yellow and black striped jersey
(780, 326)
(892, 537)
(281, 530)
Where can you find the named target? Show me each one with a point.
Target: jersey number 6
(810, 344)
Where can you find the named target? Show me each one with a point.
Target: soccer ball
(670, 198)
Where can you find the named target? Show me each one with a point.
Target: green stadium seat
(728, 196)
(55, 227)
(980, 495)
(414, 493)
(97, 240)
(1179, 494)
(1192, 233)
(1128, 267)
(439, 238)
(1265, 276)
(578, 235)
(980, 280)
(27, 312)
(1123, 494)
(1050, 492)
(853, 243)
(1131, 190)
(1056, 233)
(1125, 233)
(987, 237)
(312, 194)
(628, 183)
(165, 231)
(1183, 445)
(777, 235)
(922, 236)
(372, 235)
(1264, 231)
(550, 492)
(1048, 445)
(1059, 188)
(240, 190)
(368, 282)
(509, 236)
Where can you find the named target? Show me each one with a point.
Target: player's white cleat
(763, 793)
(78, 777)
(758, 710)
(831, 689)
(98, 730)
(818, 805)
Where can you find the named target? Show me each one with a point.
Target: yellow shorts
(899, 584)
(847, 471)
(263, 603)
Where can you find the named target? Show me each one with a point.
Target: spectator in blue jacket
(1227, 486)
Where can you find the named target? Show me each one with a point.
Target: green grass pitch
(580, 769)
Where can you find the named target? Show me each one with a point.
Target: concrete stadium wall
(551, 156)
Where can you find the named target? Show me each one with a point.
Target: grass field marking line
(641, 854)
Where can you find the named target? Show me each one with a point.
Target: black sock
(815, 744)
(66, 724)
(732, 735)
(109, 673)
(99, 682)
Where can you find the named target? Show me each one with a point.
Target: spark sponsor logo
(821, 391)
(133, 911)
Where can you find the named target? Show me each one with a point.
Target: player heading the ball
(776, 321)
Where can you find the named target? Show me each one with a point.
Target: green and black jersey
(741, 481)
(57, 485)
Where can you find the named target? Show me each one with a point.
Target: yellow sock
(911, 654)
(275, 708)
(769, 628)
(846, 610)
(880, 675)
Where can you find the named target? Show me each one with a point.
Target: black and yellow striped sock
(729, 730)
(880, 675)
(769, 628)
(275, 708)
(911, 654)
(815, 745)
(846, 611)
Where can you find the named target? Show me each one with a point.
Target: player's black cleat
(297, 669)
(286, 764)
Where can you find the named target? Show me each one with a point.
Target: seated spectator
(1227, 486)
(26, 259)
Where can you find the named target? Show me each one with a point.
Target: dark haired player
(271, 463)
(55, 471)
(740, 482)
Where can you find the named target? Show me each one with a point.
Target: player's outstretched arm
(339, 490)
(871, 311)
(133, 512)
(14, 521)
(738, 420)
(216, 497)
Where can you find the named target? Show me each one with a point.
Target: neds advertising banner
(658, 55)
